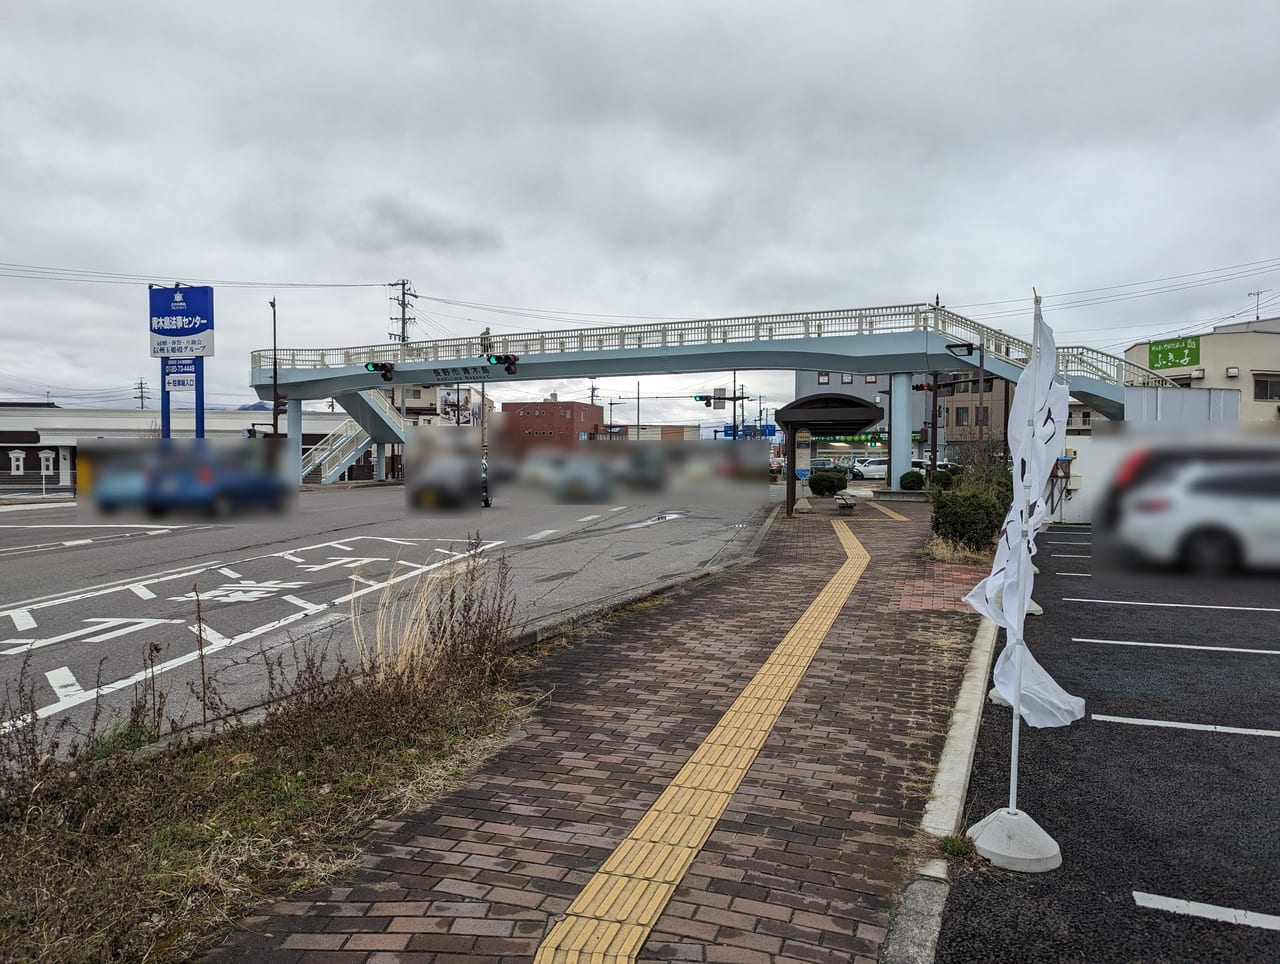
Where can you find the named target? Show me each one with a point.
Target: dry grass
(939, 549)
(116, 856)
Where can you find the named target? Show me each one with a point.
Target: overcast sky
(666, 158)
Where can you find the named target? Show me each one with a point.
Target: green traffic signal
(495, 359)
(370, 366)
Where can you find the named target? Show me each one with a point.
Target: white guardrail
(1072, 359)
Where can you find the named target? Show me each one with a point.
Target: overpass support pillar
(380, 461)
(899, 428)
(293, 428)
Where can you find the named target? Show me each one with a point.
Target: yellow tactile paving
(889, 512)
(609, 921)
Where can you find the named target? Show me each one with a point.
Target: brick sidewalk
(807, 861)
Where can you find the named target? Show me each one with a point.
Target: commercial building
(1243, 355)
(549, 423)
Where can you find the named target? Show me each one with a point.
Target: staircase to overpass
(895, 339)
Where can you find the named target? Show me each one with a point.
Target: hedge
(911, 480)
(969, 514)
(827, 483)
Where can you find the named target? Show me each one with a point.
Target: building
(1243, 355)
(38, 442)
(440, 404)
(549, 423)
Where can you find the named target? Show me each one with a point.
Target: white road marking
(229, 573)
(398, 542)
(304, 605)
(617, 508)
(1068, 555)
(1050, 542)
(588, 518)
(211, 636)
(543, 534)
(342, 546)
(290, 556)
(157, 532)
(1128, 602)
(448, 552)
(347, 562)
(1085, 574)
(1214, 649)
(78, 542)
(44, 602)
(63, 682)
(142, 592)
(1193, 908)
(367, 582)
(1175, 725)
(214, 643)
(65, 525)
(27, 507)
(105, 628)
(22, 619)
(246, 590)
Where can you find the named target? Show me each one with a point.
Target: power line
(88, 276)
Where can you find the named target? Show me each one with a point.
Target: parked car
(583, 479)
(448, 482)
(875, 468)
(1211, 517)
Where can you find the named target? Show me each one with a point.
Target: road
(1163, 798)
(83, 598)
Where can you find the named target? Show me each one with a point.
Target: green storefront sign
(865, 437)
(1174, 353)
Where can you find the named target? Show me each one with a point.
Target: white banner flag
(1003, 596)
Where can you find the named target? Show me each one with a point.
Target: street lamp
(968, 348)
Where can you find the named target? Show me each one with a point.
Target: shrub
(945, 478)
(969, 514)
(912, 480)
(827, 483)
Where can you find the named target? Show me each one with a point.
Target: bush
(827, 483)
(945, 478)
(969, 515)
(911, 481)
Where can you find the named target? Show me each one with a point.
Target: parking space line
(1069, 555)
(1165, 605)
(1084, 574)
(1215, 649)
(1193, 908)
(1175, 725)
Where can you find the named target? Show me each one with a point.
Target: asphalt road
(82, 598)
(1165, 798)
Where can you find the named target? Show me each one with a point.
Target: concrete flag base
(995, 697)
(1012, 840)
(1033, 608)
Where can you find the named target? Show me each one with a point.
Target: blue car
(215, 483)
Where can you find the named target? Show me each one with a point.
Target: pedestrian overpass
(897, 340)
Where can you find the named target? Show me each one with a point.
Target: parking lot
(1165, 798)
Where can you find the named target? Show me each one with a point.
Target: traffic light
(921, 388)
(704, 399)
(385, 367)
(508, 361)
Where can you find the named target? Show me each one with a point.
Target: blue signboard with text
(181, 322)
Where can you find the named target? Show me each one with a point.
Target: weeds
(113, 855)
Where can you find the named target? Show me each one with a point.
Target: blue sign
(770, 431)
(181, 322)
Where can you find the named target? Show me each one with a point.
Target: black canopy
(826, 414)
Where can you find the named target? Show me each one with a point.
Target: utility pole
(637, 410)
(1257, 302)
(403, 301)
(275, 375)
(611, 404)
(735, 405)
(933, 425)
(593, 391)
(141, 396)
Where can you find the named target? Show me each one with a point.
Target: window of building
(46, 462)
(1266, 389)
(16, 458)
(870, 379)
(415, 393)
(962, 415)
(824, 378)
(846, 378)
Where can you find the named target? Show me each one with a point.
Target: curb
(913, 933)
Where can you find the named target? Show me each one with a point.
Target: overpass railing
(722, 331)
